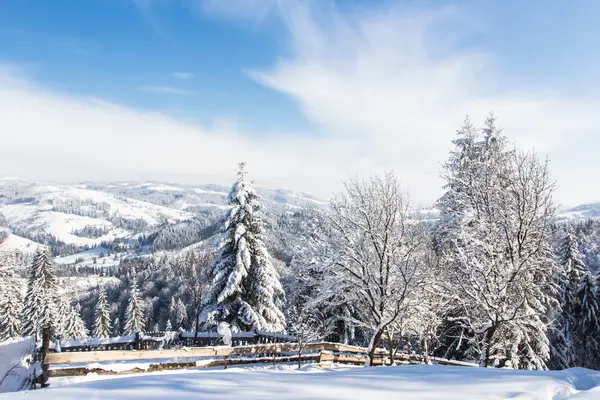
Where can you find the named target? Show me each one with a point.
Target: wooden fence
(161, 340)
(324, 354)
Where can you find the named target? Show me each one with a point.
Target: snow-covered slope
(14, 242)
(65, 211)
(581, 212)
(75, 219)
(284, 382)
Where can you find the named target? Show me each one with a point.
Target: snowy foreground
(284, 382)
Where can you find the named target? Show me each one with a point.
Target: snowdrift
(285, 382)
(15, 370)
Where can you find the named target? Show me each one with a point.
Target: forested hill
(87, 222)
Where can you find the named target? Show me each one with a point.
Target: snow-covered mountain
(86, 221)
(77, 218)
(581, 212)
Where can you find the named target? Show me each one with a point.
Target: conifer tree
(180, 314)
(134, 317)
(102, 315)
(39, 305)
(245, 291)
(62, 315)
(10, 298)
(169, 327)
(172, 311)
(588, 322)
(494, 240)
(74, 327)
(10, 307)
(573, 269)
(117, 327)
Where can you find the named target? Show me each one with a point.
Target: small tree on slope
(74, 327)
(246, 291)
(588, 321)
(10, 307)
(10, 298)
(573, 269)
(102, 316)
(134, 317)
(39, 308)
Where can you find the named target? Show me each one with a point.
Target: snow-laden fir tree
(495, 242)
(180, 314)
(245, 291)
(39, 304)
(169, 327)
(565, 326)
(134, 316)
(10, 298)
(102, 315)
(117, 327)
(73, 326)
(172, 311)
(588, 322)
(63, 312)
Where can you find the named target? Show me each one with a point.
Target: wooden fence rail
(325, 354)
(160, 340)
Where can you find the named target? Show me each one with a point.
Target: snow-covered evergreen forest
(495, 278)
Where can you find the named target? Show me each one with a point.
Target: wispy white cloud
(183, 75)
(397, 82)
(56, 136)
(166, 90)
(386, 89)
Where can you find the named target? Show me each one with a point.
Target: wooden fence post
(45, 350)
(138, 340)
(325, 359)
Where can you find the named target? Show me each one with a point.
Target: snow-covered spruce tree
(587, 331)
(494, 239)
(180, 314)
(134, 317)
(172, 311)
(245, 291)
(63, 312)
(573, 269)
(379, 265)
(117, 327)
(102, 315)
(10, 298)
(39, 304)
(74, 327)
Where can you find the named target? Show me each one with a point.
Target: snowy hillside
(581, 212)
(285, 382)
(77, 219)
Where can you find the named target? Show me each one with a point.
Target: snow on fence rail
(325, 354)
(158, 340)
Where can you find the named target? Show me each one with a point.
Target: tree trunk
(393, 350)
(375, 339)
(487, 343)
(425, 349)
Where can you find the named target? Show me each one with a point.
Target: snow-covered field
(284, 382)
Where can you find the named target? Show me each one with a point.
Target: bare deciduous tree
(379, 262)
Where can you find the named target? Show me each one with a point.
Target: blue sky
(322, 89)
